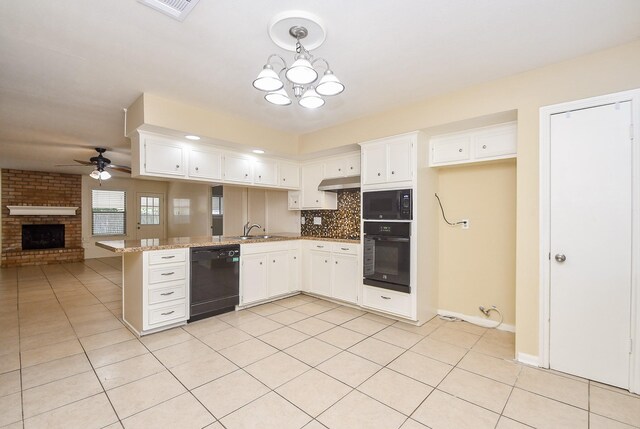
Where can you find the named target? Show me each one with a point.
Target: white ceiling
(67, 68)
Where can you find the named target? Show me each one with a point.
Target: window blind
(109, 212)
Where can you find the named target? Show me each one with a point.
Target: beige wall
(599, 73)
(131, 187)
(477, 265)
(190, 119)
(191, 221)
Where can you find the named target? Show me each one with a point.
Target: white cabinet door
(496, 143)
(265, 173)
(352, 165)
(294, 270)
(320, 272)
(400, 157)
(374, 164)
(237, 169)
(289, 175)
(164, 157)
(344, 277)
(334, 168)
(278, 273)
(453, 149)
(312, 175)
(254, 278)
(205, 164)
(294, 200)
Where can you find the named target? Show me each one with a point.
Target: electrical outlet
(302, 220)
(465, 223)
(317, 220)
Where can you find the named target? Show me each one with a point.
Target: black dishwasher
(215, 280)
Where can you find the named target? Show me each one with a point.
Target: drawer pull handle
(384, 297)
(320, 247)
(168, 313)
(168, 274)
(344, 248)
(167, 293)
(169, 257)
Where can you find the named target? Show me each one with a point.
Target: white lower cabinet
(155, 290)
(387, 300)
(266, 270)
(334, 270)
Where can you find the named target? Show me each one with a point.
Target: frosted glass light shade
(329, 84)
(95, 174)
(104, 175)
(311, 100)
(279, 97)
(301, 72)
(268, 80)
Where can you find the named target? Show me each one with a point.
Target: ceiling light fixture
(302, 74)
(100, 174)
(258, 151)
(192, 137)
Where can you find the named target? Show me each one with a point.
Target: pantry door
(590, 230)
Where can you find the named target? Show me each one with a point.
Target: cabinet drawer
(166, 256)
(386, 300)
(166, 273)
(450, 150)
(320, 246)
(346, 248)
(169, 293)
(168, 314)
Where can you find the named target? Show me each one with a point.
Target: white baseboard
(481, 321)
(528, 359)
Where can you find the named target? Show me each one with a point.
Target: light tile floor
(67, 361)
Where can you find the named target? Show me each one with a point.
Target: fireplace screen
(42, 236)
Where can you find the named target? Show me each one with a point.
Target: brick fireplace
(34, 188)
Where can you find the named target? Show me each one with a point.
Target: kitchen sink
(252, 237)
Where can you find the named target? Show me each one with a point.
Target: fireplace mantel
(41, 211)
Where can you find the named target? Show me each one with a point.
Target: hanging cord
(445, 216)
(486, 313)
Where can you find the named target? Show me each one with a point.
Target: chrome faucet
(247, 229)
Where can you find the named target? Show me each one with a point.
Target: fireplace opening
(48, 236)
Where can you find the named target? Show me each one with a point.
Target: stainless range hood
(339, 183)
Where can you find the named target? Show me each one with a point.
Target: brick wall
(34, 188)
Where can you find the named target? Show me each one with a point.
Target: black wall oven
(387, 255)
(391, 205)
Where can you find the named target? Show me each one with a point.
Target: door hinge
(549, 255)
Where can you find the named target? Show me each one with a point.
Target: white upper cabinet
(312, 175)
(289, 175)
(163, 157)
(342, 167)
(237, 169)
(388, 160)
(205, 164)
(265, 173)
(476, 145)
(295, 203)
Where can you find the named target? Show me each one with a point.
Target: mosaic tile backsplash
(341, 223)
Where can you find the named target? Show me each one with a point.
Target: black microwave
(389, 205)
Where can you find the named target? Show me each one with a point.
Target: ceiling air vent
(176, 9)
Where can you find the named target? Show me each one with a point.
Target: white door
(590, 243)
(150, 215)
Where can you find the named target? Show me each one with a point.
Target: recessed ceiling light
(190, 137)
(258, 151)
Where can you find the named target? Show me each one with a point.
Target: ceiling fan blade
(69, 165)
(119, 168)
(83, 162)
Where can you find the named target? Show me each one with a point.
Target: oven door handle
(393, 239)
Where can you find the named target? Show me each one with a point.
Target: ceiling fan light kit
(302, 74)
(99, 164)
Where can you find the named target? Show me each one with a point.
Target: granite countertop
(125, 246)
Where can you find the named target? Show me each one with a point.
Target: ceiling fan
(100, 164)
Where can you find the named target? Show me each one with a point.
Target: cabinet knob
(339, 169)
(351, 168)
(325, 261)
(246, 175)
(274, 261)
(378, 174)
(393, 172)
(317, 201)
(284, 179)
(260, 263)
(484, 146)
(336, 262)
(259, 177)
(295, 257)
(460, 150)
(197, 168)
(177, 166)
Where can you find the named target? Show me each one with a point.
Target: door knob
(560, 257)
